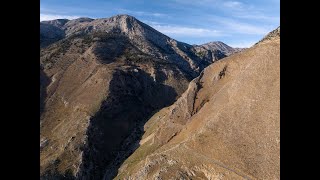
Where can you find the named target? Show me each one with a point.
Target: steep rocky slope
(225, 126)
(100, 80)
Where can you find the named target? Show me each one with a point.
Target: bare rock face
(100, 81)
(226, 125)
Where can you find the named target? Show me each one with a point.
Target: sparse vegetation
(201, 54)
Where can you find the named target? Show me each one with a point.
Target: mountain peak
(83, 19)
(124, 20)
(78, 21)
(221, 46)
(215, 42)
(123, 16)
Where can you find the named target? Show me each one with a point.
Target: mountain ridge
(147, 39)
(128, 21)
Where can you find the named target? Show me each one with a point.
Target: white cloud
(232, 26)
(244, 28)
(245, 11)
(198, 3)
(259, 17)
(46, 17)
(186, 31)
(142, 13)
(242, 44)
(158, 14)
(233, 4)
(152, 23)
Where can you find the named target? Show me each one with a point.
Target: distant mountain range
(100, 81)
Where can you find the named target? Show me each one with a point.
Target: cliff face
(100, 80)
(225, 126)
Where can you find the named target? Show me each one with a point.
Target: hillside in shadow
(115, 130)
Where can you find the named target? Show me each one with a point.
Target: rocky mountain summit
(145, 38)
(100, 81)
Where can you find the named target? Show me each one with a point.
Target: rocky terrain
(226, 125)
(100, 81)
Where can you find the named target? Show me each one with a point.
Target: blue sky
(238, 23)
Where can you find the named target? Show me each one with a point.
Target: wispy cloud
(233, 26)
(46, 17)
(235, 9)
(238, 9)
(233, 5)
(198, 3)
(244, 28)
(179, 31)
(242, 44)
(141, 13)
